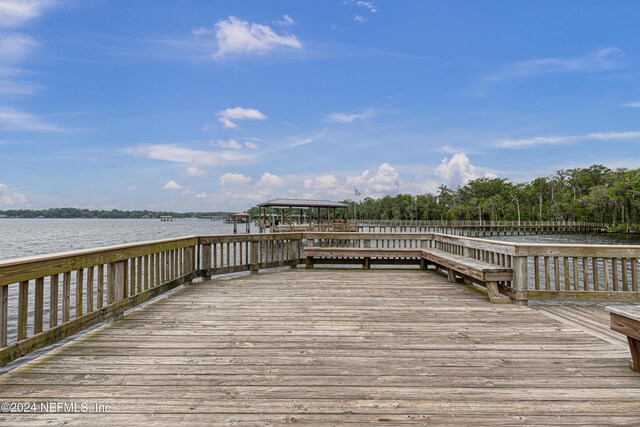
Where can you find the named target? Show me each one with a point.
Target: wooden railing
(45, 299)
(456, 223)
(480, 228)
(582, 272)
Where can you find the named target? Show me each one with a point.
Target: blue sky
(218, 105)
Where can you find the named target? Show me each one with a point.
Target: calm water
(27, 237)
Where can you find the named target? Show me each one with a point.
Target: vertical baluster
(547, 274)
(625, 278)
(4, 315)
(614, 270)
(156, 269)
(100, 287)
(23, 309)
(567, 273)
(139, 281)
(576, 274)
(605, 267)
(536, 273)
(585, 273)
(215, 255)
(53, 301)
(228, 254)
(38, 306)
(90, 271)
(111, 282)
(79, 291)
(594, 271)
(556, 273)
(145, 272)
(132, 276)
(634, 274)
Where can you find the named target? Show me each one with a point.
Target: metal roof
(302, 203)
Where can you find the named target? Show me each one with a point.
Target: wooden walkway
(333, 347)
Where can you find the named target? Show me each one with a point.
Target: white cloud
(369, 5)
(14, 47)
(449, 150)
(11, 119)
(323, 182)
(14, 13)
(550, 140)
(359, 18)
(232, 144)
(235, 36)
(251, 145)
(286, 21)
(349, 118)
(598, 60)
(132, 188)
(202, 195)
(386, 180)
(538, 140)
(270, 180)
(229, 179)
(300, 142)
(459, 170)
(632, 104)
(178, 154)
(613, 135)
(172, 185)
(195, 171)
(9, 197)
(228, 116)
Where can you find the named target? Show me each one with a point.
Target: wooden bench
(479, 271)
(626, 320)
(364, 256)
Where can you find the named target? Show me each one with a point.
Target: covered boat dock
(287, 215)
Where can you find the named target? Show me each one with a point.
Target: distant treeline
(86, 213)
(593, 194)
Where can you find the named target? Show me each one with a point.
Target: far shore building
(290, 215)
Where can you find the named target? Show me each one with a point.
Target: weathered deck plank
(334, 347)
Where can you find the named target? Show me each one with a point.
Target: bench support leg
(634, 346)
(367, 263)
(494, 294)
(451, 275)
(309, 264)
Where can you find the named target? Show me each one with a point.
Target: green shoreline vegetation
(592, 194)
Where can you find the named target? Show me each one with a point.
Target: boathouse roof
(302, 203)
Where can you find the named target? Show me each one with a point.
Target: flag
(356, 192)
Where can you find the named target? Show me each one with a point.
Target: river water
(27, 237)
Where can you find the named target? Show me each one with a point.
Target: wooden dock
(335, 347)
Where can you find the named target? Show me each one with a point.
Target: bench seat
(367, 256)
(479, 271)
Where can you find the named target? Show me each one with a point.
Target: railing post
(520, 278)
(253, 266)
(116, 284)
(187, 262)
(206, 260)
